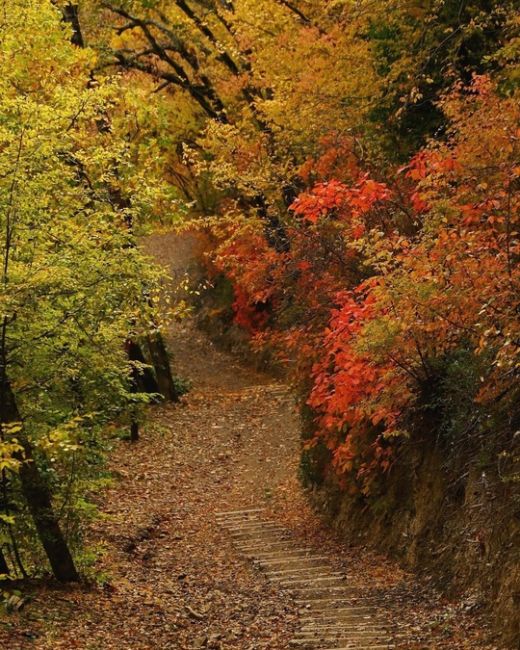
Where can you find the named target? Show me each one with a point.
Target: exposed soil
(173, 578)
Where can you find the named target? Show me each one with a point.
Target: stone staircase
(332, 615)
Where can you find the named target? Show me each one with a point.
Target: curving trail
(209, 541)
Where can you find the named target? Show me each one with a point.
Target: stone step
(284, 560)
(310, 592)
(329, 581)
(344, 619)
(266, 551)
(240, 528)
(341, 644)
(333, 616)
(322, 569)
(333, 604)
(230, 513)
(353, 646)
(375, 620)
(340, 631)
(251, 526)
(261, 534)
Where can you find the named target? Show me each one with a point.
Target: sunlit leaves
(73, 285)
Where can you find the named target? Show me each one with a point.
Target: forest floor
(172, 578)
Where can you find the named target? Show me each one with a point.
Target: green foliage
(182, 385)
(452, 394)
(73, 285)
(421, 49)
(313, 460)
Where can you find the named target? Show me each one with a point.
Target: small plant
(182, 385)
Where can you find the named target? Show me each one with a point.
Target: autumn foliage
(356, 165)
(386, 283)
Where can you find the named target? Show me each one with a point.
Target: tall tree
(162, 383)
(71, 286)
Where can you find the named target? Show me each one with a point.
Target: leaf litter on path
(175, 581)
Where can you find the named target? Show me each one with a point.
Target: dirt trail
(175, 579)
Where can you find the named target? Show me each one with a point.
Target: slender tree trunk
(71, 15)
(135, 387)
(143, 379)
(6, 508)
(4, 502)
(163, 384)
(4, 569)
(134, 429)
(37, 493)
(161, 363)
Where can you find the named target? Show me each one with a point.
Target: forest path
(180, 573)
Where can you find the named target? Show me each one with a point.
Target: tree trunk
(4, 569)
(161, 363)
(37, 493)
(143, 379)
(134, 429)
(71, 15)
(162, 383)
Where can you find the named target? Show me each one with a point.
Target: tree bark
(4, 569)
(36, 492)
(134, 430)
(71, 16)
(161, 363)
(143, 379)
